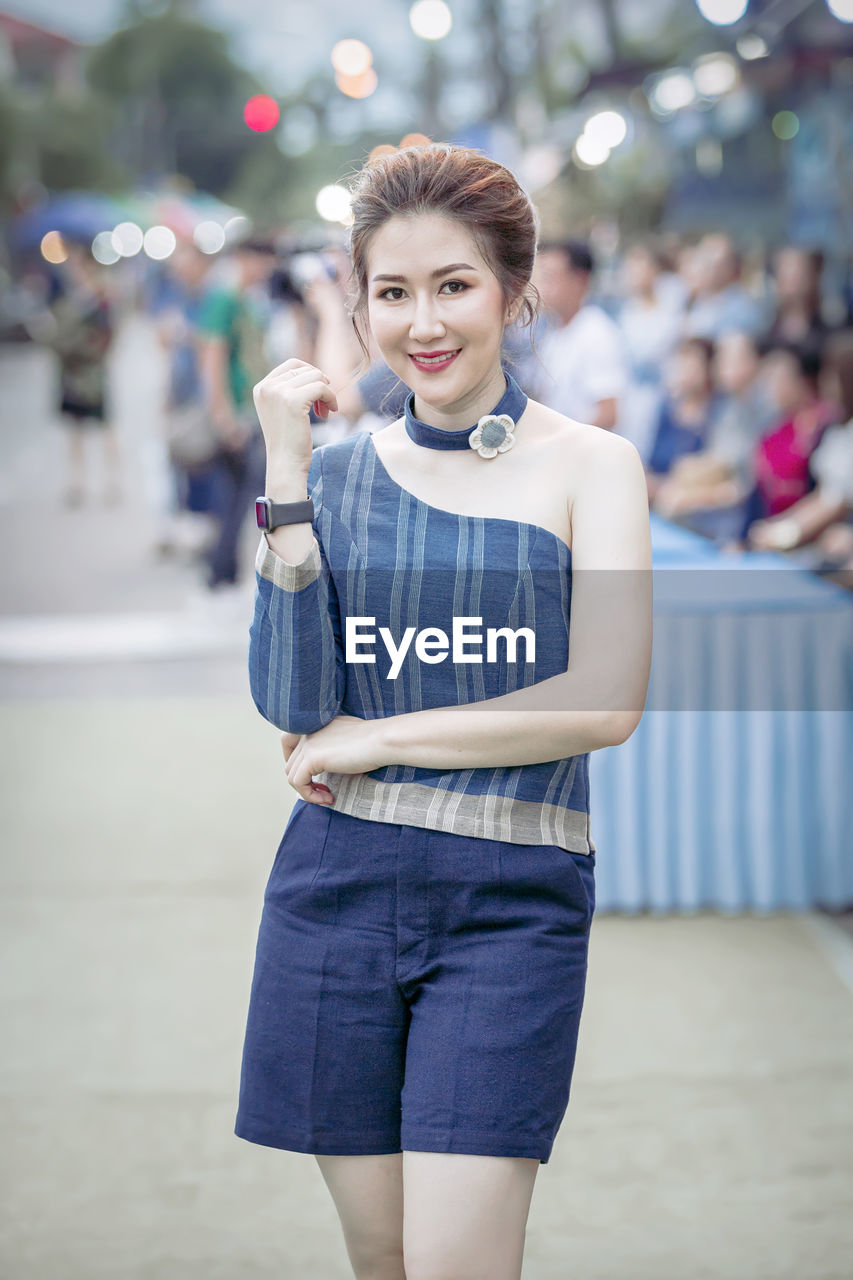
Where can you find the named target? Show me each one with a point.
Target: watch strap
(269, 515)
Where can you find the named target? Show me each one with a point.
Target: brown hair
(458, 182)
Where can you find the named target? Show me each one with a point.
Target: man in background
(232, 328)
(582, 349)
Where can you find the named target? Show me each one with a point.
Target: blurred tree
(72, 141)
(179, 98)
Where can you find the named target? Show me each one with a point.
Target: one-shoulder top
(385, 564)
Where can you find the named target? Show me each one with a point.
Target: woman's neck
(471, 406)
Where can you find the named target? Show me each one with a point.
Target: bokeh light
(384, 149)
(673, 91)
(722, 12)
(715, 75)
(333, 203)
(841, 9)
(159, 243)
(785, 125)
(751, 47)
(127, 239)
(430, 19)
(591, 151)
(103, 250)
(414, 140)
(237, 227)
(53, 248)
(261, 113)
(607, 128)
(541, 165)
(360, 86)
(209, 236)
(351, 57)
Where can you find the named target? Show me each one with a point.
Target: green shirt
(238, 319)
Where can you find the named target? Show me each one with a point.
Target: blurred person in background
(191, 441)
(689, 409)
(707, 491)
(80, 329)
(796, 283)
(686, 275)
(721, 302)
(651, 321)
(671, 285)
(233, 324)
(368, 393)
(581, 369)
(823, 518)
(792, 378)
(289, 328)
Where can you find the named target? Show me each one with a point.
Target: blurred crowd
(735, 385)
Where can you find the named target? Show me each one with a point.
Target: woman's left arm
(597, 702)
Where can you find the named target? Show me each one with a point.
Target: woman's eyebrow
(442, 271)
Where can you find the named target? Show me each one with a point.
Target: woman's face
(781, 376)
(446, 299)
(736, 363)
(639, 271)
(688, 372)
(793, 273)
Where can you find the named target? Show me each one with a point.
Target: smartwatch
(269, 515)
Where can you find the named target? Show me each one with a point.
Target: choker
(492, 435)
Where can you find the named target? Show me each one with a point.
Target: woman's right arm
(297, 673)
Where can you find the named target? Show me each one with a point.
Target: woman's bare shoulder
(581, 443)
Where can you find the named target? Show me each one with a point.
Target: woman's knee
(465, 1216)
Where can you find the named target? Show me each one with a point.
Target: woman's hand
(283, 399)
(346, 744)
(778, 533)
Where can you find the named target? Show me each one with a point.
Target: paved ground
(710, 1131)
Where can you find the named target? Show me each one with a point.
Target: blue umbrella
(76, 215)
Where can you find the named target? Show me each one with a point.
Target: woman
(707, 491)
(421, 958)
(798, 321)
(651, 325)
(81, 335)
(782, 477)
(688, 411)
(823, 518)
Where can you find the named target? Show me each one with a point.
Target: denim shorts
(413, 989)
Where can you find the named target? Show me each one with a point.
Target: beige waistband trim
(492, 817)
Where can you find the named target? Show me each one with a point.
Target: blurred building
(35, 57)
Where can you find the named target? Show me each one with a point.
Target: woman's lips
(435, 365)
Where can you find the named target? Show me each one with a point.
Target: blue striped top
(383, 556)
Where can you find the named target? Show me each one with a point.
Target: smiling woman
(421, 960)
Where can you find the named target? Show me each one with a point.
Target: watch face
(261, 513)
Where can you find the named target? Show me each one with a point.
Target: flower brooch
(492, 435)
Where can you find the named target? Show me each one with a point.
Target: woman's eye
(395, 288)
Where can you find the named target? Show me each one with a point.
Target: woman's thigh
(368, 1194)
(465, 1215)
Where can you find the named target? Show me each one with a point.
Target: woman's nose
(426, 321)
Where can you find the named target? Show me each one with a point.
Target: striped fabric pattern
(383, 554)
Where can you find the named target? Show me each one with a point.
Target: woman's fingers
(298, 771)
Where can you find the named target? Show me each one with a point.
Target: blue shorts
(414, 989)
